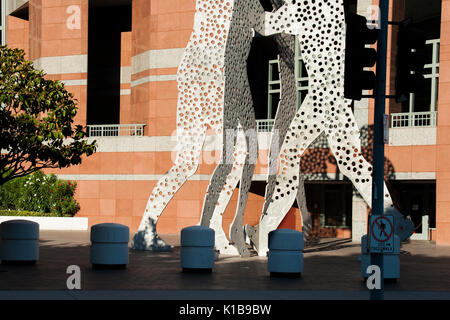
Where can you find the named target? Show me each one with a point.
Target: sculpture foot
(149, 242)
(244, 253)
(403, 227)
(228, 249)
(253, 235)
(223, 245)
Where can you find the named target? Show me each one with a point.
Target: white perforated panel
(320, 27)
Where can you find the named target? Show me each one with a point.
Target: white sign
(381, 234)
(386, 129)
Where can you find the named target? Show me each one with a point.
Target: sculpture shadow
(313, 245)
(333, 267)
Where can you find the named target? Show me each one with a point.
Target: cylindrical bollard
(391, 261)
(19, 242)
(285, 257)
(197, 249)
(109, 246)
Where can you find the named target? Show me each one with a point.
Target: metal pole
(378, 144)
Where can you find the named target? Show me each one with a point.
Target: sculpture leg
(305, 128)
(186, 163)
(301, 201)
(237, 228)
(287, 106)
(237, 232)
(219, 178)
(346, 146)
(222, 243)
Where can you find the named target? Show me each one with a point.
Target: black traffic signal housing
(358, 57)
(410, 60)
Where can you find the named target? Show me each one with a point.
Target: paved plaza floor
(331, 271)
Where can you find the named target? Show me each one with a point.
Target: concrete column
(359, 217)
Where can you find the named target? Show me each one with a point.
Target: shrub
(40, 193)
(9, 193)
(36, 120)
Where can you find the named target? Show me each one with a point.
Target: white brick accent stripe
(122, 177)
(155, 78)
(207, 177)
(125, 74)
(79, 82)
(412, 136)
(154, 59)
(138, 177)
(62, 64)
(162, 143)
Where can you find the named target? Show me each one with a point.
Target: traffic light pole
(378, 144)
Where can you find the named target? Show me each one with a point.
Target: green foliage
(40, 193)
(28, 213)
(36, 120)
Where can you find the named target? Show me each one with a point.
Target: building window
(274, 82)
(416, 199)
(106, 23)
(336, 205)
(420, 110)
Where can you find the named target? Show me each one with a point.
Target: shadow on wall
(317, 163)
(317, 159)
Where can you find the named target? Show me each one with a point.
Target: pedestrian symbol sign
(381, 234)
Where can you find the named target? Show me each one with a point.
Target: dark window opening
(262, 51)
(104, 48)
(426, 16)
(336, 205)
(417, 199)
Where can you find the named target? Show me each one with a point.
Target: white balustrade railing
(414, 119)
(115, 130)
(265, 125)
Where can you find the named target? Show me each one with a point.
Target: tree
(36, 120)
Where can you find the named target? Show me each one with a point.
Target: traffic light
(410, 60)
(358, 57)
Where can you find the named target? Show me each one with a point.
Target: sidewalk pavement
(331, 271)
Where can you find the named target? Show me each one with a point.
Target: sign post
(378, 144)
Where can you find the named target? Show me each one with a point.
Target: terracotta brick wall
(163, 27)
(17, 34)
(443, 134)
(59, 29)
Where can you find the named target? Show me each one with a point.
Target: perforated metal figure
(242, 144)
(213, 93)
(238, 112)
(320, 27)
(201, 86)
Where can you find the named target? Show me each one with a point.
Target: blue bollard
(285, 257)
(391, 261)
(109, 246)
(197, 249)
(19, 242)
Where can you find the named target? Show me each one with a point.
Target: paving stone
(329, 265)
